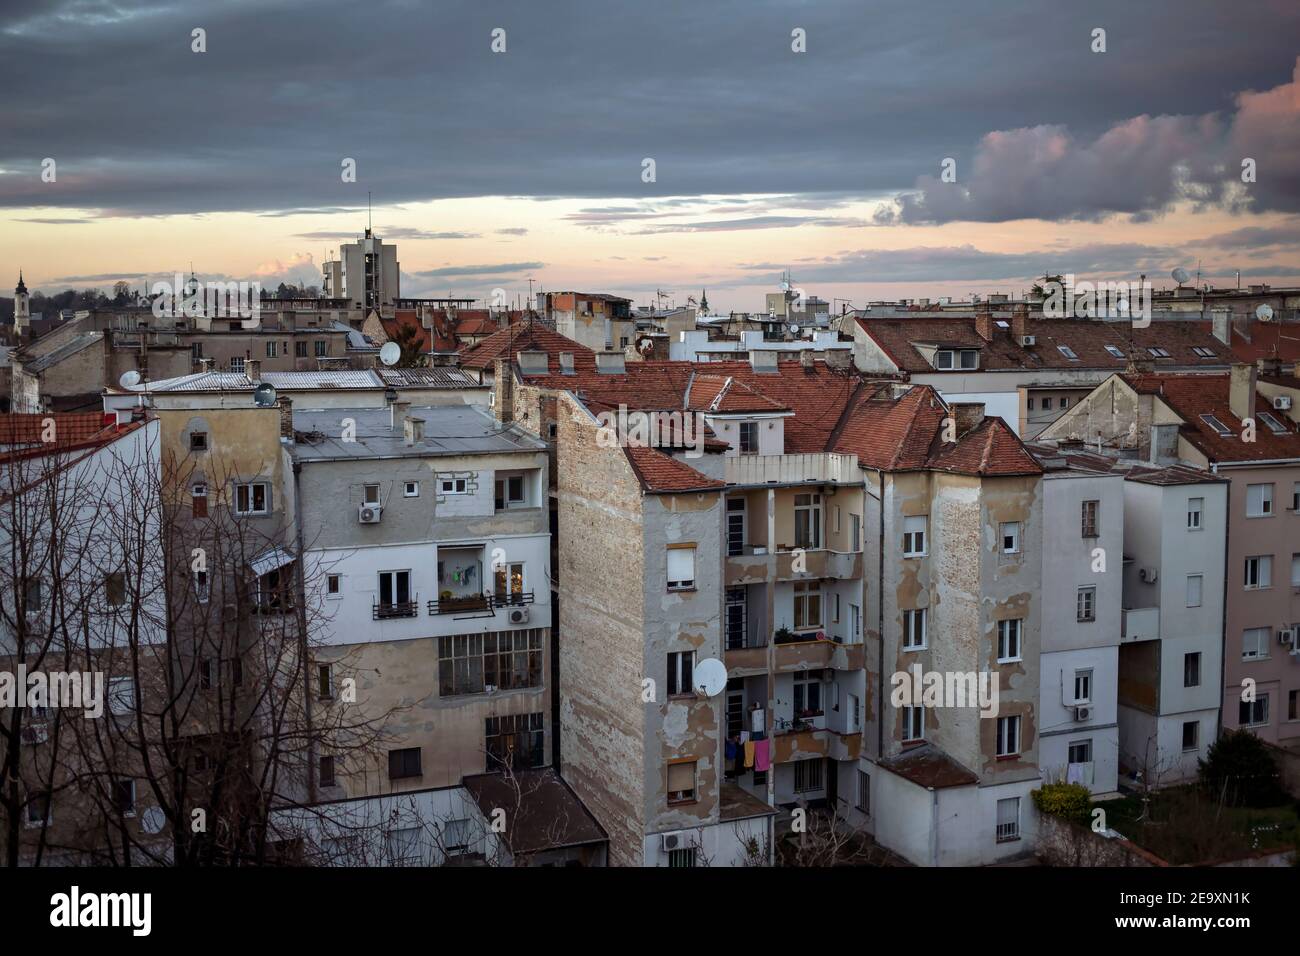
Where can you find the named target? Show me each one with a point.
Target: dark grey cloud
(1257, 237)
(752, 222)
(711, 91)
(502, 268)
(390, 233)
(514, 231)
(67, 221)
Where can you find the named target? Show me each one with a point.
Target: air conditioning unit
(1148, 575)
(1282, 403)
(1286, 635)
(370, 514)
(36, 733)
(519, 615)
(1083, 712)
(1027, 340)
(672, 841)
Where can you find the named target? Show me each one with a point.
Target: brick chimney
(984, 324)
(412, 430)
(967, 415)
(1241, 390)
(1020, 321)
(503, 391)
(253, 369)
(286, 416)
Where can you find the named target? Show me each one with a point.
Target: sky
(495, 158)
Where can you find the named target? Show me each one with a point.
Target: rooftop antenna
(369, 218)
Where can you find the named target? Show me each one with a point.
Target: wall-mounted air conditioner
(1083, 712)
(519, 615)
(1286, 635)
(1027, 340)
(672, 841)
(370, 514)
(1148, 575)
(1282, 403)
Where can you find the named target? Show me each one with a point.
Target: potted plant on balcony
(783, 635)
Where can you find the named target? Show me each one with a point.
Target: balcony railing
(480, 602)
(1141, 623)
(384, 612)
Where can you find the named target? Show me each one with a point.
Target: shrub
(1070, 801)
(1240, 769)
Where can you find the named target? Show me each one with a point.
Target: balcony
(480, 603)
(387, 612)
(789, 565)
(1141, 624)
(803, 740)
(820, 468)
(805, 654)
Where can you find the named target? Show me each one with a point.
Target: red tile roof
(1267, 340)
(70, 428)
(526, 336)
(662, 472)
(1192, 396)
(898, 338)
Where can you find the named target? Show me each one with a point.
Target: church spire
(704, 300)
(22, 286)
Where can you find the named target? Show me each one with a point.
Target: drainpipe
(1223, 626)
(302, 632)
(880, 619)
(934, 826)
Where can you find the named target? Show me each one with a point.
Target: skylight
(1275, 426)
(1223, 430)
(1068, 353)
(1158, 352)
(1114, 351)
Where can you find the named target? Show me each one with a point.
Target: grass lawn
(1183, 826)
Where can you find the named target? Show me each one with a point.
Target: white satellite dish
(153, 820)
(391, 353)
(794, 328)
(264, 395)
(710, 677)
(129, 379)
(1264, 313)
(1181, 275)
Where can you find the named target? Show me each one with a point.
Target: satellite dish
(710, 677)
(391, 353)
(1264, 313)
(646, 346)
(794, 328)
(264, 395)
(1181, 275)
(129, 379)
(153, 820)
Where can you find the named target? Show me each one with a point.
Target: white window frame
(453, 486)
(1009, 830)
(1083, 686)
(1255, 643)
(247, 490)
(678, 676)
(410, 489)
(1196, 582)
(913, 724)
(916, 629)
(1195, 514)
(914, 538)
(677, 577)
(1259, 572)
(1009, 630)
(1259, 500)
(1010, 529)
(809, 775)
(1086, 596)
(1008, 736)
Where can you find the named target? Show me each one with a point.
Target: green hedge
(1070, 801)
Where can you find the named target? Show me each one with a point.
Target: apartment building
(1082, 618)
(366, 273)
(1026, 369)
(595, 320)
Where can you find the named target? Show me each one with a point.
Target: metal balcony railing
(384, 612)
(480, 602)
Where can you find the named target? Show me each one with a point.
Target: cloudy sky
(488, 168)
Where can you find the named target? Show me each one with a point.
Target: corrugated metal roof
(436, 377)
(63, 351)
(326, 379)
(448, 430)
(199, 382)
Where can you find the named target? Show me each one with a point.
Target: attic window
(1275, 426)
(1202, 351)
(1157, 352)
(950, 359)
(1068, 353)
(1222, 429)
(1002, 324)
(1115, 351)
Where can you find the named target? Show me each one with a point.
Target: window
(1191, 735)
(1200, 351)
(684, 857)
(864, 792)
(807, 605)
(808, 521)
(1068, 353)
(1083, 687)
(943, 359)
(808, 775)
(808, 694)
(497, 660)
(1030, 403)
(1047, 403)
(515, 740)
(1008, 819)
(322, 348)
(1295, 497)
(914, 629)
(1157, 352)
(300, 349)
(198, 441)
(1008, 736)
(39, 809)
(681, 673)
(1254, 643)
(326, 767)
(550, 431)
(1259, 501)
(681, 568)
(35, 595)
(199, 500)
(453, 486)
(252, 499)
(1065, 403)
(749, 438)
(1295, 570)
(508, 583)
(1009, 633)
(403, 846)
(1194, 508)
(1221, 429)
(681, 781)
(370, 494)
(511, 492)
(1080, 751)
(1011, 537)
(1259, 572)
(913, 724)
(411, 489)
(1192, 669)
(325, 681)
(969, 358)
(1253, 713)
(1086, 605)
(1194, 588)
(205, 674)
(115, 589)
(124, 797)
(237, 365)
(1115, 353)
(334, 585)
(1089, 516)
(395, 594)
(201, 588)
(271, 348)
(121, 696)
(735, 526)
(1293, 705)
(404, 764)
(1275, 426)
(914, 536)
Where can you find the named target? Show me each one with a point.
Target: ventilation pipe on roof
(396, 413)
(611, 363)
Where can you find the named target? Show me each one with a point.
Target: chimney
(205, 364)
(806, 358)
(397, 412)
(1020, 321)
(1164, 444)
(412, 430)
(286, 417)
(1221, 325)
(566, 363)
(984, 324)
(503, 391)
(533, 362)
(839, 358)
(967, 415)
(253, 369)
(610, 363)
(763, 360)
(1241, 390)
